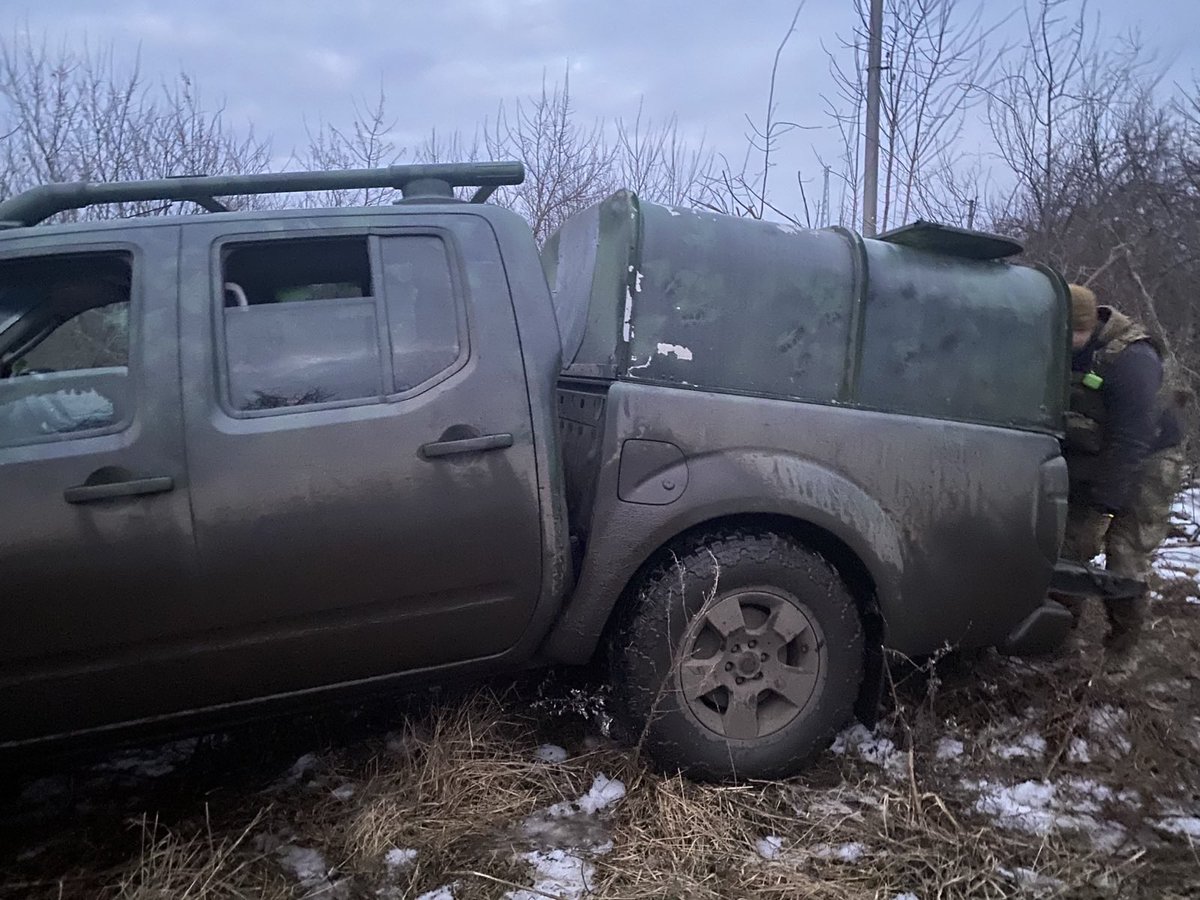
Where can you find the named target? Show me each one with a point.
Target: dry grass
(455, 781)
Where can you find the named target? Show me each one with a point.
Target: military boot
(1124, 629)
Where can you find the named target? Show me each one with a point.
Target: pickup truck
(252, 459)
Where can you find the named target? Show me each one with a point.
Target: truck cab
(251, 455)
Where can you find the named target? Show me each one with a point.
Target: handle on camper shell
(39, 203)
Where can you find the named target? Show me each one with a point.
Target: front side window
(306, 322)
(64, 346)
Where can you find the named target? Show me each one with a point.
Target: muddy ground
(988, 777)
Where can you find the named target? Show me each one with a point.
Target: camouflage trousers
(1132, 537)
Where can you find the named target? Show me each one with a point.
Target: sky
(447, 64)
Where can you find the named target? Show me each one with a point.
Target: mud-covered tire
(663, 664)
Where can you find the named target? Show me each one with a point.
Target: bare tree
(660, 165)
(76, 115)
(366, 144)
(568, 164)
(936, 54)
(743, 190)
(1102, 173)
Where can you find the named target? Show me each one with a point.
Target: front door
(96, 546)
(361, 451)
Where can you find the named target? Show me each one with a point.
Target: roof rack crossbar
(40, 203)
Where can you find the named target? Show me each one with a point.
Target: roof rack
(947, 239)
(416, 182)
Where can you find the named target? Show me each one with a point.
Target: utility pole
(871, 162)
(823, 218)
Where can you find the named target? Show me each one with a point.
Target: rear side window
(64, 346)
(330, 320)
(422, 319)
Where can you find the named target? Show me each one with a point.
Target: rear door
(360, 448)
(96, 550)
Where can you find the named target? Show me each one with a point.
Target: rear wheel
(740, 655)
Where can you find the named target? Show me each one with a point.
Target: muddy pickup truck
(251, 459)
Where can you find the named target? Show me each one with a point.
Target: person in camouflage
(1124, 454)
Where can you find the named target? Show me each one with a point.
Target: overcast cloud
(447, 64)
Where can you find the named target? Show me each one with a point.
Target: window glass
(301, 326)
(64, 347)
(421, 311)
(304, 324)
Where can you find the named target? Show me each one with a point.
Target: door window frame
(373, 237)
(133, 364)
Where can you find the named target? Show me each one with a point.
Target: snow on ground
(870, 747)
(1031, 879)
(399, 858)
(1042, 807)
(948, 748)
(150, 762)
(1108, 725)
(1180, 825)
(569, 833)
(1029, 745)
(306, 865)
(1179, 557)
(1079, 751)
(848, 853)
(769, 848)
(603, 793)
(551, 753)
(445, 892)
(557, 873)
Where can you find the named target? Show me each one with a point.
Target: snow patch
(770, 847)
(1030, 878)
(305, 864)
(1041, 807)
(1029, 745)
(556, 873)
(399, 858)
(574, 823)
(1108, 724)
(445, 892)
(550, 753)
(869, 747)
(906, 896)
(1182, 826)
(299, 769)
(150, 762)
(603, 793)
(849, 853)
(345, 792)
(948, 748)
(1078, 751)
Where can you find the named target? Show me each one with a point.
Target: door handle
(136, 487)
(467, 445)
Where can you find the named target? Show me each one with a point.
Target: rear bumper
(1042, 631)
